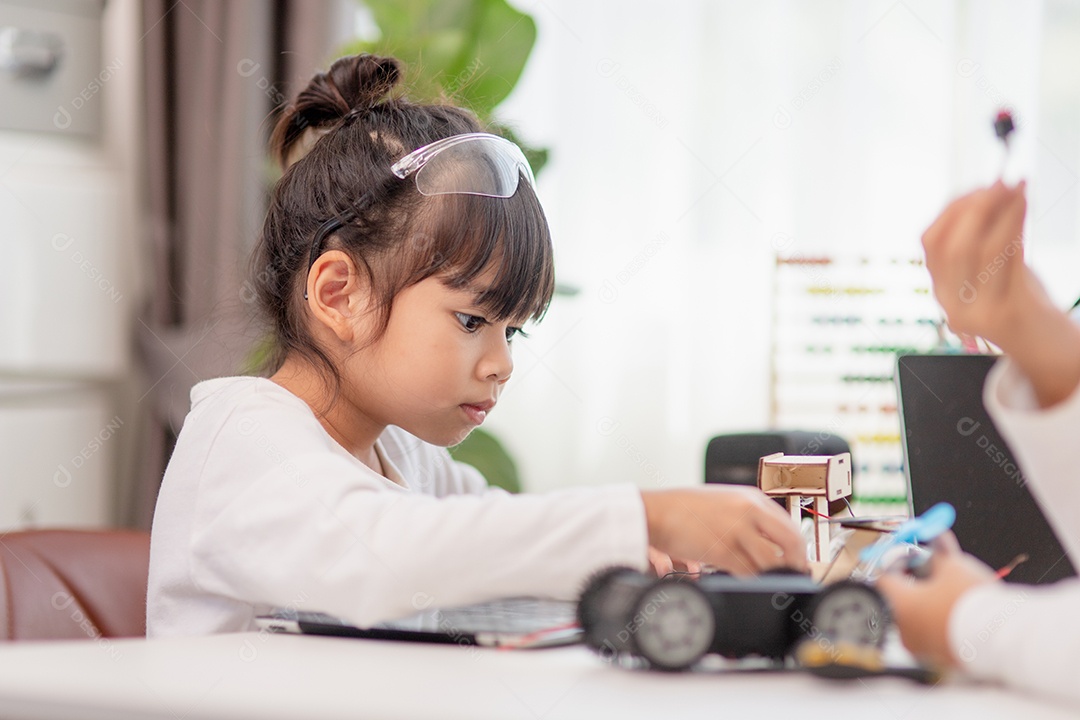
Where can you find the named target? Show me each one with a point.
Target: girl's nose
(497, 363)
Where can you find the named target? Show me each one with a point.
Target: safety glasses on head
(468, 164)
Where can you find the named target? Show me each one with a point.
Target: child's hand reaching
(663, 564)
(921, 608)
(737, 529)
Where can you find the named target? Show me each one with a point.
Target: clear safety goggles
(468, 164)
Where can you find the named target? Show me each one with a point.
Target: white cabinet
(65, 308)
(57, 444)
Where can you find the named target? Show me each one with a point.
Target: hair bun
(353, 83)
(363, 80)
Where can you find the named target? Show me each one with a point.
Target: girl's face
(439, 368)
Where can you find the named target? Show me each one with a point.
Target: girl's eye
(512, 332)
(471, 323)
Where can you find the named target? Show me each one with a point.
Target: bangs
(467, 236)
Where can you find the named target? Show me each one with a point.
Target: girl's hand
(663, 564)
(921, 608)
(734, 528)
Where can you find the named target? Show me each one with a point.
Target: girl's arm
(367, 555)
(737, 529)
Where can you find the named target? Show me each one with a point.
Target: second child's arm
(975, 254)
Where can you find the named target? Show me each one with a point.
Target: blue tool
(922, 529)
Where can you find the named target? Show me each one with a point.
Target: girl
(402, 251)
(962, 615)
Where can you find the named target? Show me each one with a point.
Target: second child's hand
(975, 255)
(922, 607)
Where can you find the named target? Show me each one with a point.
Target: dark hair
(400, 237)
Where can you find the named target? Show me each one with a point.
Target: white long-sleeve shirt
(1028, 637)
(261, 508)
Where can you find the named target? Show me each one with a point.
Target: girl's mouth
(476, 413)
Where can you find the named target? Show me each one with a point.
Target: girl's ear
(337, 294)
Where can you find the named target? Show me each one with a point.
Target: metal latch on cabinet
(29, 53)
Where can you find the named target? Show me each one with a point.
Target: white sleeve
(331, 544)
(1021, 635)
(1027, 636)
(1042, 440)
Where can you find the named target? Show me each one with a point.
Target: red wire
(1004, 572)
(526, 639)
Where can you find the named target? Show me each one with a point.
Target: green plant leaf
(471, 51)
(484, 452)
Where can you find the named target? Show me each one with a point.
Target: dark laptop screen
(953, 453)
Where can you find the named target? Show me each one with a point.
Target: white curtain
(690, 141)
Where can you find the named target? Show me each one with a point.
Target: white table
(265, 676)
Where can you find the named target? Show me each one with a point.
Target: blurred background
(736, 192)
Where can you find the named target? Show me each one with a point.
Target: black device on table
(953, 453)
(674, 621)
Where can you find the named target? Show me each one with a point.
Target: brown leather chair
(73, 584)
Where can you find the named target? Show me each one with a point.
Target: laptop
(521, 622)
(953, 453)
